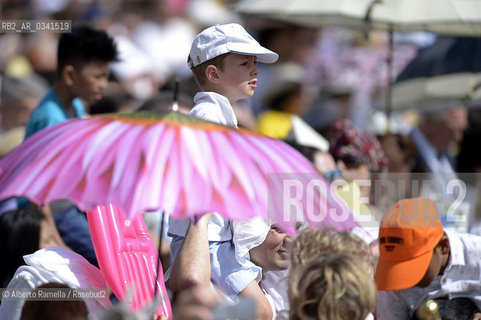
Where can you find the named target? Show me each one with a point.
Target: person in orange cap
(419, 260)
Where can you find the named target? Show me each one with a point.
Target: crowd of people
(407, 258)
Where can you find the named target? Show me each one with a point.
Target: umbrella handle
(158, 250)
(389, 59)
(367, 17)
(175, 104)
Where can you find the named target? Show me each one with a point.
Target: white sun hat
(220, 39)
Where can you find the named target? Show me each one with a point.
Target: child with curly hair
(332, 287)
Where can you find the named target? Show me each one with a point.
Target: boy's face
(89, 82)
(238, 79)
(272, 254)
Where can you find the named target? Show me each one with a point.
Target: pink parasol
(185, 166)
(111, 164)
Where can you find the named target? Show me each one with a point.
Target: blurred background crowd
(338, 71)
(322, 76)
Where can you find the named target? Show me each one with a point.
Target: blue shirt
(49, 112)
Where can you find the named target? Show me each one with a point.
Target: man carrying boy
(223, 61)
(421, 261)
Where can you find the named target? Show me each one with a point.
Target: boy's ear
(68, 74)
(212, 74)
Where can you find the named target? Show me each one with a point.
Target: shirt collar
(216, 98)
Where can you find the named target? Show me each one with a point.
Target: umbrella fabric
(441, 76)
(448, 55)
(309, 13)
(160, 160)
(449, 17)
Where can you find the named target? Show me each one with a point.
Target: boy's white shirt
(213, 107)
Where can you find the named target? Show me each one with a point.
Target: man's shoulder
(394, 304)
(48, 104)
(47, 110)
(47, 113)
(409, 295)
(466, 243)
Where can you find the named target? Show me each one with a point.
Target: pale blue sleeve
(226, 272)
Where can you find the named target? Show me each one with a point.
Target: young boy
(421, 261)
(82, 75)
(223, 61)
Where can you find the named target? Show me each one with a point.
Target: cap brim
(263, 55)
(401, 275)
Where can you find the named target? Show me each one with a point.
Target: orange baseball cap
(409, 232)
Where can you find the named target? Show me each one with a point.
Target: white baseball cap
(220, 39)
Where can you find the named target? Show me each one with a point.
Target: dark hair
(83, 45)
(19, 235)
(453, 309)
(199, 70)
(54, 309)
